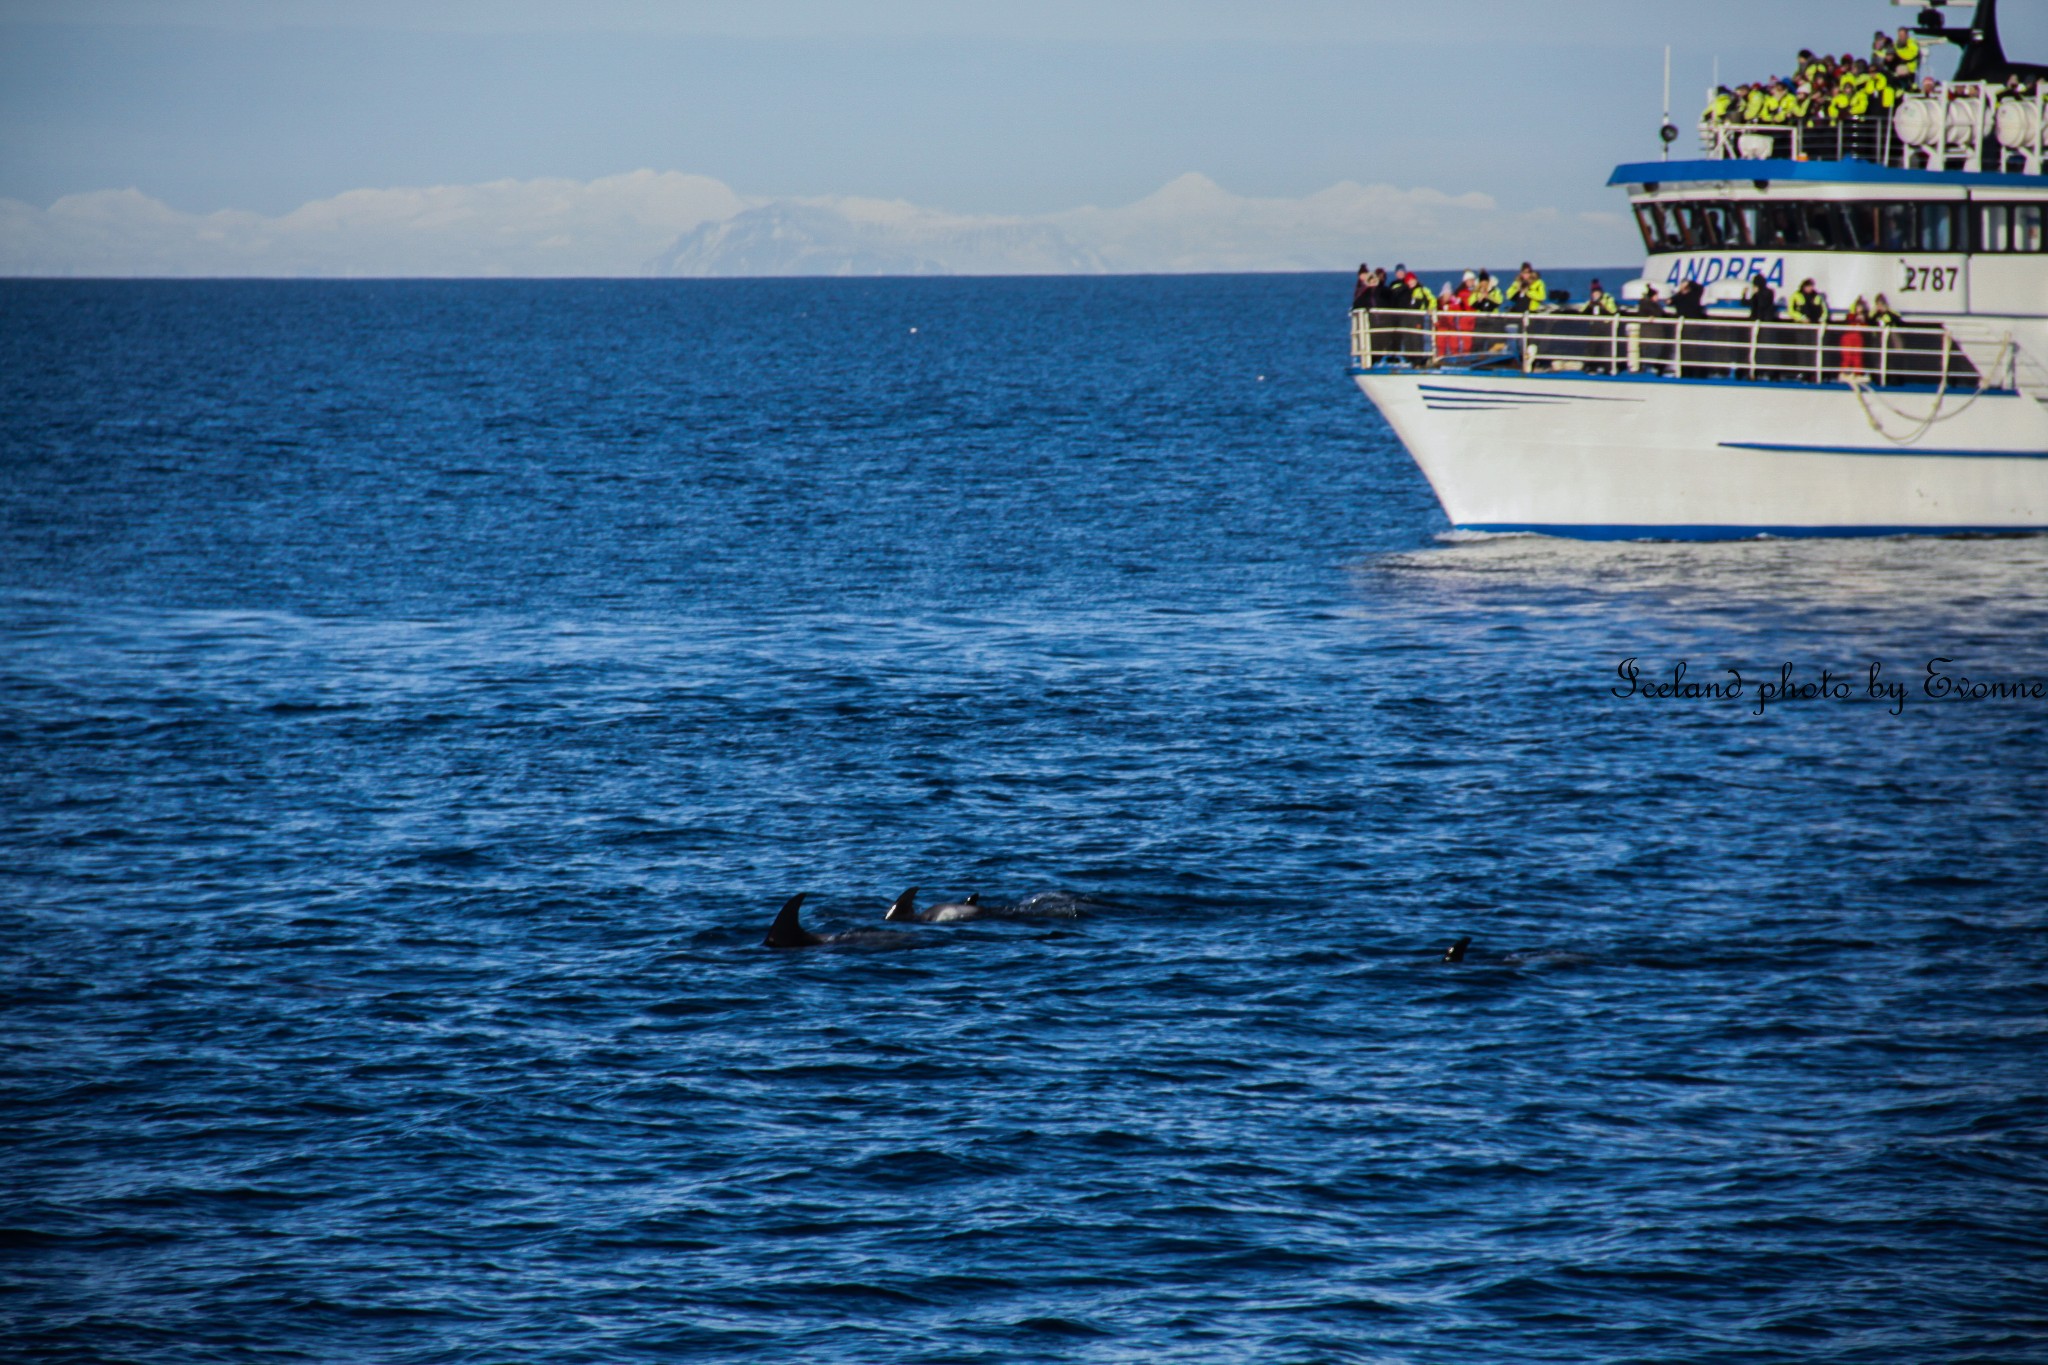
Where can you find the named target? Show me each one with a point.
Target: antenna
(1667, 133)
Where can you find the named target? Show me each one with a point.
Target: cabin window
(1938, 227)
(1825, 225)
(2010, 227)
(1896, 230)
(1826, 229)
(1863, 227)
(1657, 234)
(1994, 227)
(1778, 225)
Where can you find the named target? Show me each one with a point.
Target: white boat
(1626, 427)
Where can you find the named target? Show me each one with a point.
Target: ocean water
(417, 698)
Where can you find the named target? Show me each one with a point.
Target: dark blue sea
(416, 700)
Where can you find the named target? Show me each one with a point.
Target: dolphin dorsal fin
(973, 898)
(904, 908)
(788, 931)
(1456, 952)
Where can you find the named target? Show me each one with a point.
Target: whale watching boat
(1646, 425)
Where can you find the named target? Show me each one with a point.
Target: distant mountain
(667, 223)
(1189, 225)
(871, 237)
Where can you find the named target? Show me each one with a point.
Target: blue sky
(969, 107)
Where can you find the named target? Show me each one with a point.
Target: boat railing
(1912, 353)
(1964, 126)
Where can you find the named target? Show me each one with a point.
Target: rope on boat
(1860, 384)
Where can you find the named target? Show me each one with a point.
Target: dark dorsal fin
(1456, 952)
(905, 907)
(974, 898)
(788, 931)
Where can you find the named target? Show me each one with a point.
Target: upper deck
(1960, 127)
(1885, 111)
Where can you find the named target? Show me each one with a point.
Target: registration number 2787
(1921, 278)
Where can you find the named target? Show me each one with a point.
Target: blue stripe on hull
(1567, 532)
(1885, 450)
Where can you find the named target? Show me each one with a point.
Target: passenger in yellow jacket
(1528, 293)
(1485, 294)
(1906, 58)
(1808, 304)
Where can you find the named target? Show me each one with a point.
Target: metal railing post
(1884, 354)
(1635, 348)
(1820, 352)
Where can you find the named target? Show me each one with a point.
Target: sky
(242, 123)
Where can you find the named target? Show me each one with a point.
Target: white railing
(1685, 348)
(1964, 127)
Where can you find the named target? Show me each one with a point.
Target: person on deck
(1850, 338)
(1891, 346)
(1655, 334)
(1604, 338)
(1808, 303)
(1761, 298)
(1696, 353)
(1361, 289)
(1906, 59)
(1528, 293)
(1451, 307)
(1485, 294)
(1763, 307)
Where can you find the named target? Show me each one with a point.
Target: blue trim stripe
(1850, 172)
(1518, 395)
(1485, 402)
(1569, 532)
(1646, 377)
(1886, 450)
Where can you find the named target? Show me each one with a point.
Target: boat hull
(1638, 457)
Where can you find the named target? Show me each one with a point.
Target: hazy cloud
(609, 226)
(673, 224)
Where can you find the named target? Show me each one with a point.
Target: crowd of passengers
(1399, 290)
(1447, 331)
(1827, 91)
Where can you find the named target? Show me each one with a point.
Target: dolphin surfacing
(954, 911)
(904, 910)
(1456, 952)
